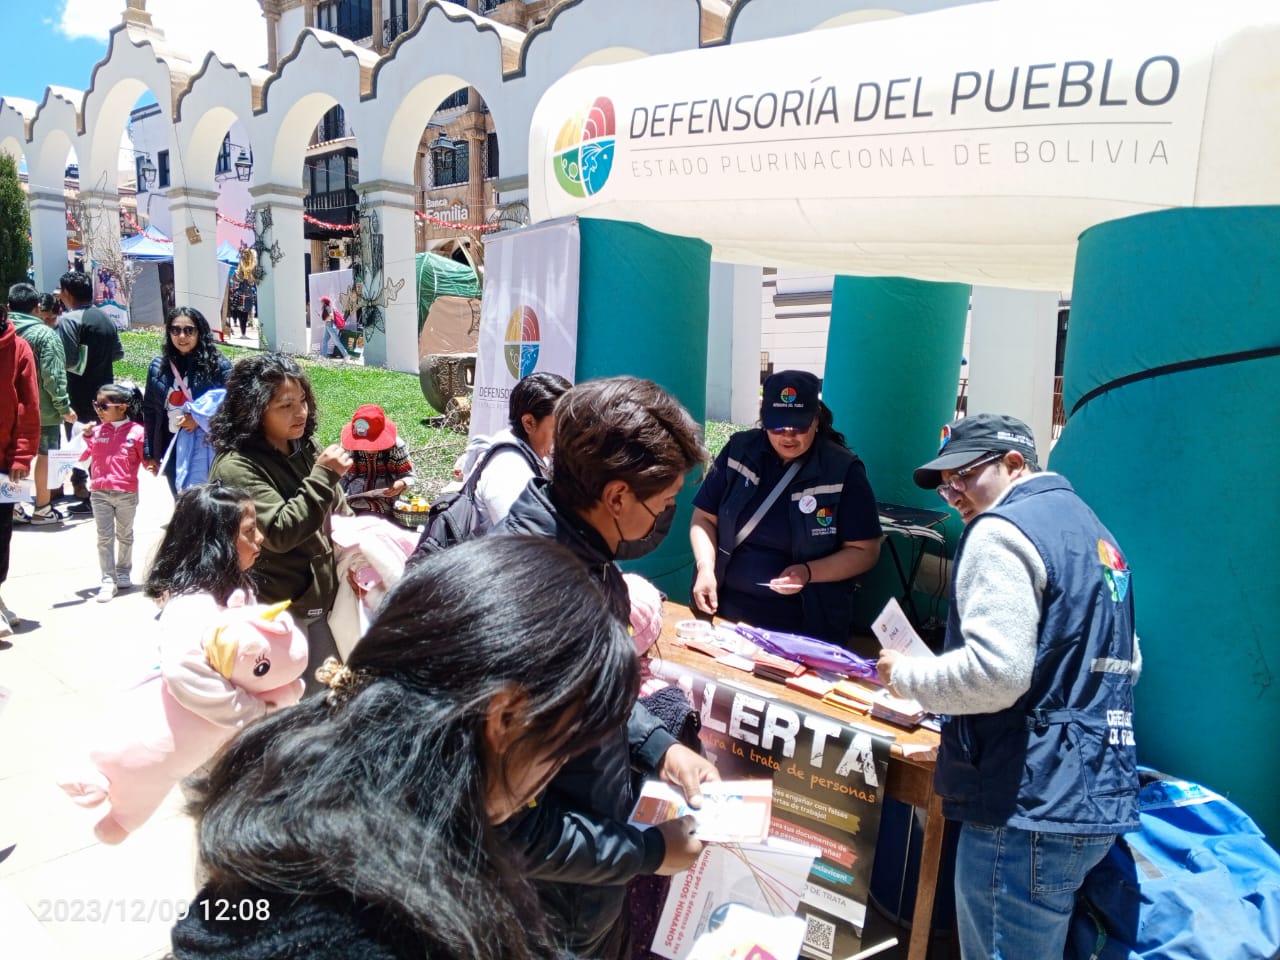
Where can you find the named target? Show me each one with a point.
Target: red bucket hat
(369, 429)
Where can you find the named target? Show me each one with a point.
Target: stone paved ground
(60, 672)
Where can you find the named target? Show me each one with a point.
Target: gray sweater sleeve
(1000, 585)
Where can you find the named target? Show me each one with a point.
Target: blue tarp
(228, 254)
(151, 244)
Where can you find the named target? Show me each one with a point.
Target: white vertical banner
(334, 284)
(528, 316)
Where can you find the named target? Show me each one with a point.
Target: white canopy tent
(971, 144)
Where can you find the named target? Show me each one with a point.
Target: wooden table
(909, 779)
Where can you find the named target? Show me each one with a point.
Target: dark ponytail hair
(126, 392)
(826, 426)
(376, 792)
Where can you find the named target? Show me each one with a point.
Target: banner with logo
(528, 315)
(828, 788)
(969, 144)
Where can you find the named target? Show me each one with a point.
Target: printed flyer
(828, 789)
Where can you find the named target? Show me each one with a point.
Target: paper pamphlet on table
(22, 491)
(732, 811)
(894, 631)
(746, 934)
(769, 877)
(876, 701)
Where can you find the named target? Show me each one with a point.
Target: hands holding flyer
(732, 811)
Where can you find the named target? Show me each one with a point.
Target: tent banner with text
(528, 315)
(828, 790)
(969, 144)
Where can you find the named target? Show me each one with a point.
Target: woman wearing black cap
(785, 519)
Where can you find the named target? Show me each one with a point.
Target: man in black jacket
(96, 332)
(622, 449)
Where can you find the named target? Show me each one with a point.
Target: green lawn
(341, 388)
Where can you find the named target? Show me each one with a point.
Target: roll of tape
(693, 630)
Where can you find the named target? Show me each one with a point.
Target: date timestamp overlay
(127, 910)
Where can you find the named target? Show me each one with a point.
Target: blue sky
(38, 54)
(58, 42)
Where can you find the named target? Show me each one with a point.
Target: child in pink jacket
(115, 456)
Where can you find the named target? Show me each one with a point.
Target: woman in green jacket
(263, 438)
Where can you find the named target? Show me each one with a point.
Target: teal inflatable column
(893, 362)
(1172, 384)
(643, 302)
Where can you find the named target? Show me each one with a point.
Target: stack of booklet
(878, 702)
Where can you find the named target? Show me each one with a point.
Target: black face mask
(635, 549)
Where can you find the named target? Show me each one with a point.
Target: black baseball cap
(968, 438)
(789, 398)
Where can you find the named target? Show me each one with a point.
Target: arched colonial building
(435, 105)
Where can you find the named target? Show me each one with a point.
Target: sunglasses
(102, 405)
(949, 490)
(183, 331)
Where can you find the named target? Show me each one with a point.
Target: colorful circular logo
(584, 149)
(1114, 570)
(825, 516)
(788, 394)
(944, 437)
(524, 335)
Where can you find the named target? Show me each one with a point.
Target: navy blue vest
(828, 607)
(1062, 758)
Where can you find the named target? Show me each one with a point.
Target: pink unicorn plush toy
(178, 717)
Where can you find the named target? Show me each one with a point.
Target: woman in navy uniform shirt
(791, 565)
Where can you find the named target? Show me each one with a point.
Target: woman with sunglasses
(785, 519)
(189, 366)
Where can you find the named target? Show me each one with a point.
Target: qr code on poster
(819, 935)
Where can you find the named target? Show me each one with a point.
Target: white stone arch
(322, 71)
(55, 132)
(216, 97)
(133, 65)
(461, 52)
(15, 119)
(761, 19)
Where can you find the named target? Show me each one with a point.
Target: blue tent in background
(150, 244)
(228, 254)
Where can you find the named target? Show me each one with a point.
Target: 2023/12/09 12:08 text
(125, 910)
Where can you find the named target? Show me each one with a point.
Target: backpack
(452, 518)
(1196, 882)
(339, 320)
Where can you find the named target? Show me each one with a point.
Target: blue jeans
(1015, 889)
(331, 338)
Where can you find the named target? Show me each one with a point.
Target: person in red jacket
(19, 434)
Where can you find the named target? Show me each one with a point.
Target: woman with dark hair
(785, 519)
(210, 544)
(189, 366)
(263, 438)
(501, 468)
(201, 568)
(362, 825)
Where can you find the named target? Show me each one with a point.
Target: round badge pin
(808, 503)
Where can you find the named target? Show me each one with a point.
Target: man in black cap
(1037, 759)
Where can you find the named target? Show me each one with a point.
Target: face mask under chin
(635, 549)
